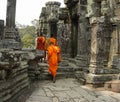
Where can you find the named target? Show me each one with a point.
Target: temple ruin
(88, 33)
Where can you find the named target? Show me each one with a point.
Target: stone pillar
(82, 42)
(11, 40)
(106, 12)
(1, 29)
(10, 19)
(1, 32)
(114, 56)
(97, 42)
(10, 16)
(97, 51)
(82, 35)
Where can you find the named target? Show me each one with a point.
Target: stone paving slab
(69, 90)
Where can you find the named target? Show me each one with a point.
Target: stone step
(67, 67)
(65, 70)
(46, 76)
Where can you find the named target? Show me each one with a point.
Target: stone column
(97, 42)
(106, 12)
(10, 16)
(82, 42)
(11, 40)
(97, 51)
(1, 29)
(1, 32)
(114, 56)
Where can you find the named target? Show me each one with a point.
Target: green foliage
(28, 41)
(27, 30)
(27, 35)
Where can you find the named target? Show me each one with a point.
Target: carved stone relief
(93, 9)
(63, 36)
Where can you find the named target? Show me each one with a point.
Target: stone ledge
(113, 85)
(99, 80)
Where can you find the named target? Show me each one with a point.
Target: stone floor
(69, 90)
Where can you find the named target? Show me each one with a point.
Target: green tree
(28, 41)
(27, 35)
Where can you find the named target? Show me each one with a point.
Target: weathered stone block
(107, 85)
(115, 86)
(100, 79)
(2, 74)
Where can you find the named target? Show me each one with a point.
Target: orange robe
(53, 40)
(47, 41)
(53, 52)
(40, 42)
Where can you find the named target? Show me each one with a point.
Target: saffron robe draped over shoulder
(53, 52)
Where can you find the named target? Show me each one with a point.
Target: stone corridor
(69, 90)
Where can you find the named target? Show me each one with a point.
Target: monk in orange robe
(40, 42)
(40, 45)
(52, 39)
(47, 41)
(53, 52)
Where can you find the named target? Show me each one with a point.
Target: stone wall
(95, 37)
(14, 79)
(1, 29)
